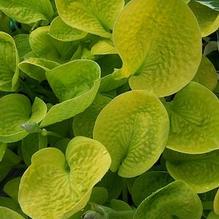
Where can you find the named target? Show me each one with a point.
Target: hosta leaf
(9, 59)
(71, 179)
(208, 19)
(45, 46)
(7, 213)
(26, 11)
(11, 188)
(37, 67)
(103, 47)
(119, 205)
(147, 184)
(83, 123)
(99, 195)
(214, 4)
(134, 128)
(61, 31)
(75, 84)
(201, 172)
(162, 49)
(194, 120)
(15, 110)
(93, 16)
(212, 215)
(206, 74)
(3, 148)
(22, 44)
(176, 200)
(216, 203)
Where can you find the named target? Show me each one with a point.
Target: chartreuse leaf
(148, 183)
(61, 31)
(37, 67)
(93, 16)
(214, 4)
(11, 188)
(58, 186)
(162, 49)
(7, 213)
(9, 59)
(103, 47)
(206, 74)
(22, 44)
(3, 148)
(16, 110)
(45, 46)
(83, 123)
(212, 215)
(75, 84)
(216, 203)
(201, 172)
(176, 200)
(208, 18)
(26, 11)
(194, 120)
(134, 128)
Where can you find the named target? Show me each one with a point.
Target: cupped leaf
(216, 203)
(208, 18)
(61, 31)
(99, 195)
(176, 200)
(194, 118)
(83, 123)
(22, 44)
(16, 110)
(206, 74)
(7, 213)
(103, 47)
(36, 67)
(75, 84)
(93, 16)
(45, 46)
(213, 4)
(11, 188)
(59, 186)
(149, 183)
(26, 11)
(162, 49)
(9, 59)
(201, 172)
(134, 128)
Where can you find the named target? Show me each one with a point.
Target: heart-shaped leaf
(216, 203)
(176, 200)
(208, 19)
(92, 16)
(134, 128)
(9, 59)
(194, 118)
(148, 183)
(16, 110)
(61, 31)
(75, 84)
(59, 186)
(201, 172)
(7, 213)
(27, 11)
(162, 49)
(83, 123)
(206, 74)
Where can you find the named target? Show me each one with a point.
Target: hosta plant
(109, 109)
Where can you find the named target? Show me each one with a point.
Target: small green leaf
(11, 188)
(15, 111)
(3, 148)
(213, 4)
(216, 204)
(27, 11)
(176, 200)
(61, 31)
(201, 172)
(134, 128)
(212, 215)
(93, 16)
(208, 19)
(70, 178)
(83, 123)
(194, 118)
(22, 44)
(99, 195)
(9, 59)
(148, 183)
(206, 74)
(36, 67)
(75, 84)
(7, 213)
(159, 43)
(103, 47)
